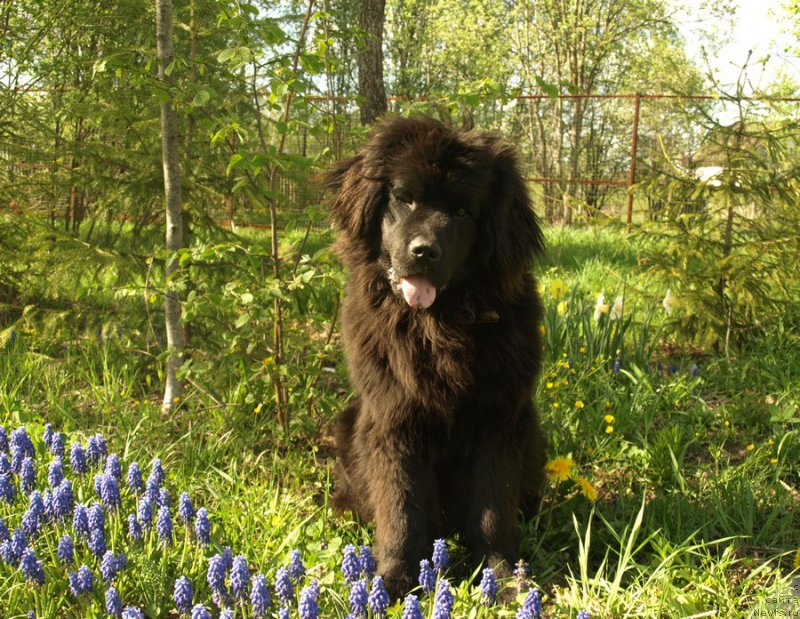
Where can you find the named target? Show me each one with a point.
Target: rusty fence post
(634, 146)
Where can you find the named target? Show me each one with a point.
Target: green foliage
(726, 245)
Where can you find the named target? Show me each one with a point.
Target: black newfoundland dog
(440, 326)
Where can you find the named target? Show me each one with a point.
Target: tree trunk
(173, 391)
(370, 61)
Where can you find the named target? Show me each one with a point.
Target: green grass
(697, 481)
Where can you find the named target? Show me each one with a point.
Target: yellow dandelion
(176, 399)
(609, 429)
(609, 419)
(770, 442)
(550, 385)
(751, 447)
(257, 409)
(556, 405)
(773, 461)
(587, 489)
(727, 424)
(579, 404)
(582, 349)
(557, 288)
(561, 308)
(136, 402)
(268, 360)
(607, 406)
(559, 469)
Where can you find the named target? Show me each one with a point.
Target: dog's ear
(510, 228)
(360, 191)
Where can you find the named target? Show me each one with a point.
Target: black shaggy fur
(443, 435)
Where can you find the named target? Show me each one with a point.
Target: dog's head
(435, 207)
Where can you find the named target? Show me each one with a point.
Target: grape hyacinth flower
(5, 465)
(97, 520)
(27, 475)
(135, 482)
(22, 441)
(533, 603)
(31, 567)
(443, 604)
(109, 492)
(111, 566)
(164, 525)
(32, 518)
(186, 509)
(113, 602)
(427, 577)
(296, 568)
(3, 440)
(227, 614)
(12, 549)
(63, 501)
(227, 558)
(113, 467)
(163, 498)
(240, 577)
(259, 596)
(358, 599)
(66, 551)
(77, 459)
(157, 474)
(308, 607)
(17, 456)
(378, 597)
(47, 435)
(441, 560)
(202, 527)
(351, 567)
(411, 609)
(200, 612)
(283, 586)
(80, 521)
(284, 613)
(151, 492)
(97, 543)
(584, 614)
(94, 451)
(57, 445)
(54, 473)
(81, 582)
(183, 595)
(488, 587)
(216, 575)
(7, 490)
(145, 512)
(134, 528)
(3, 531)
(368, 565)
(131, 612)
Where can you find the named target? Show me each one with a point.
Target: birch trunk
(173, 391)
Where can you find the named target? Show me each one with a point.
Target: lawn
(673, 484)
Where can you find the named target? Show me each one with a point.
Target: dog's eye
(402, 195)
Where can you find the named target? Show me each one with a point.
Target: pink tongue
(418, 291)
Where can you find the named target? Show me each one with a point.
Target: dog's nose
(423, 248)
